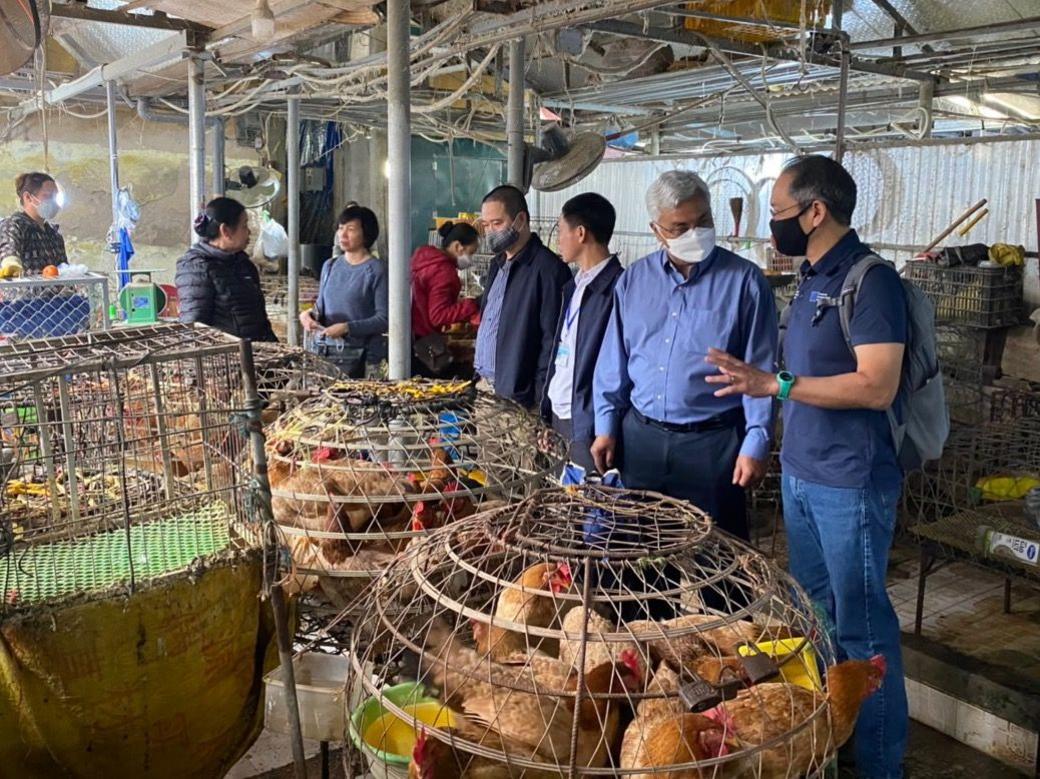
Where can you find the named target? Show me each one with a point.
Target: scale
(142, 300)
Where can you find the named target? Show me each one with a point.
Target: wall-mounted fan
(563, 158)
(23, 27)
(253, 187)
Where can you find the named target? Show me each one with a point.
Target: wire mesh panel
(120, 458)
(982, 481)
(285, 375)
(37, 307)
(590, 631)
(979, 297)
(364, 467)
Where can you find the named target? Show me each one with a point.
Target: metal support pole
(292, 179)
(925, 98)
(843, 97)
(399, 155)
(270, 538)
(196, 137)
(219, 145)
(113, 147)
(515, 114)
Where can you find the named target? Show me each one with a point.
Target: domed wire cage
(286, 375)
(594, 631)
(364, 467)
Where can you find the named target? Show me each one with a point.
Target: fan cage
(123, 459)
(648, 574)
(364, 467)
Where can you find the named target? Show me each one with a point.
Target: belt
(730, 418)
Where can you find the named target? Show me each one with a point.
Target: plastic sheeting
(166, 683)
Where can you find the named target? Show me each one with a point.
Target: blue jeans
(838, 540)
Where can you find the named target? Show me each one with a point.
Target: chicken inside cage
(94, 430)
(603, 631)
(363, 468)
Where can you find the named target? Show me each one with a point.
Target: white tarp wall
(907, 195)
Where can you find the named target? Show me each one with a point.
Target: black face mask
(790, 240)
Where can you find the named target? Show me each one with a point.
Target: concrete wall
(152, 158)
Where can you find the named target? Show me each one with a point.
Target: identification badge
(563, 355)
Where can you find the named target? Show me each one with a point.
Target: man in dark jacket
(521, 301)
(585, 228)
(217, 283)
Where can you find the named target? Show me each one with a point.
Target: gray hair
(673, 188)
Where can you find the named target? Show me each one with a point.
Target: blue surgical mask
(48, 209)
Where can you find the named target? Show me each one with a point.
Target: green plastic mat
(53, 571)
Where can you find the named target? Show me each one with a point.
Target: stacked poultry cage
(364, 467)
(130, 569)
(596, 632)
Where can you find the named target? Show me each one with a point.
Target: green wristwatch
(786, 380)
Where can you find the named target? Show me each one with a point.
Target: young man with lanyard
(841, 475)
(584, 230)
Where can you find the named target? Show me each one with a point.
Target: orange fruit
(50, 272)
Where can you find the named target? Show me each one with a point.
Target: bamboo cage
(589, 631)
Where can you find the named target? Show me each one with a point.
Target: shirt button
(675, 313)
(661, 368)
(667, 340)
(658, 397)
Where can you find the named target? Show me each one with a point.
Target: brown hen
(768, 711)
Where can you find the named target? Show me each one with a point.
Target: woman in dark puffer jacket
(217, 283)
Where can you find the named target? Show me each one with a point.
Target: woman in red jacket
(436, 284)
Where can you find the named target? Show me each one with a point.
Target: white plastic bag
(274, 241)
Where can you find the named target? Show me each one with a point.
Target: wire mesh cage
(37, 307)
(364, 467)
(275, 287)
(979, 297)
(120, 459)
(982, 481)
(286, 375)
(591, 631)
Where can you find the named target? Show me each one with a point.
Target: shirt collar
(587, 276)
(833, 260)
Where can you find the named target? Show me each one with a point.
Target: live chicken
(683, 651)
(678, 740)
(434, 759)
(529, 600)
(769, 711)
(544, 722)
(597, 650)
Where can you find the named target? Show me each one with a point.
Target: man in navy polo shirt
(841, 476)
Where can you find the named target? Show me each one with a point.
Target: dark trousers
(577, 451)
(693, 466)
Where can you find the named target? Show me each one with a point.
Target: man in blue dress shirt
(841, 474)
(656, 416)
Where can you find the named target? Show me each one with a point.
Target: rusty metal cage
(122, 459)
(592, 632)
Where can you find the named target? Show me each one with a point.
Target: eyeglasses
(804, 207)
(671, 232)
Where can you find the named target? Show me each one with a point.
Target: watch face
(786, 376)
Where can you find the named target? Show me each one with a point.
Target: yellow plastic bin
(387, 741)
(796, 658)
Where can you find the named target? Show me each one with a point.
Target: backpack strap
(850, 292)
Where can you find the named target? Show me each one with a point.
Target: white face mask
(464, 261)
(693, 245)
